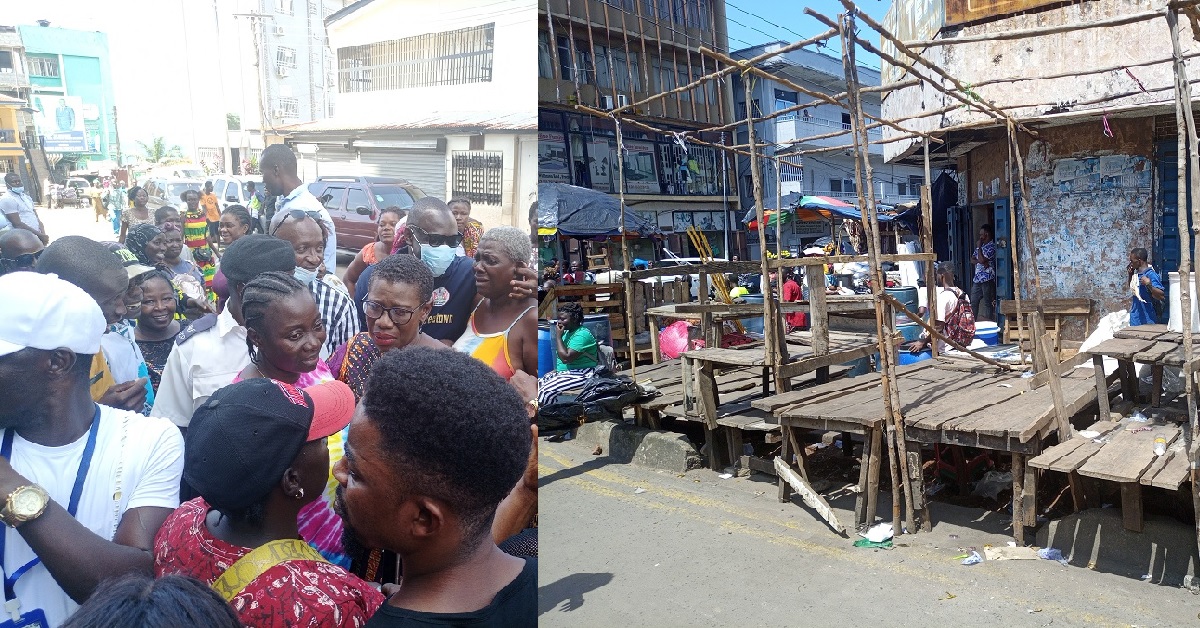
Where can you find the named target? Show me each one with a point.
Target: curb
(665, 451)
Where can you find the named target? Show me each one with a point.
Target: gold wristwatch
(532, 404)
(24, 504)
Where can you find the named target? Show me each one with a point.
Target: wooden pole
(927, 247)
(1184, 122)
(1039, 316)
(884, 318)
(770, 338)
(630, 297)
(1012, 245)
(894, 302)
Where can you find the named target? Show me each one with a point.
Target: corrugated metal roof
(395, 121)
(9, 100)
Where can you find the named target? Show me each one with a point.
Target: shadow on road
(570, 590)
(570, 472)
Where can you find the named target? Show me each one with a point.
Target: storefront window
(689, 172)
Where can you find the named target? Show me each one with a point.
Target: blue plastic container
(911, 332)
(753, 325)
(908, 296)
(988, 332)
(905, 357)
(545, 350)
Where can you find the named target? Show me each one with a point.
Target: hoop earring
(254, 357)
(300, 495)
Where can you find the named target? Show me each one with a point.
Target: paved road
(695, 550)
(72, 221)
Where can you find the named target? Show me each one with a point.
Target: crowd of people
(205, 425)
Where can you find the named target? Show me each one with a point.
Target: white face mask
(304, 275)
(437, 258)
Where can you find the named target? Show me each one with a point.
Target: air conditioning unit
(606, 102)
(283, 71)
(278, 31)
(622, 100)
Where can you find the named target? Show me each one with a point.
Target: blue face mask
(18, 190)
(304, 275)
(437, 258)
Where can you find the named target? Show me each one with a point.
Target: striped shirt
(337, 312)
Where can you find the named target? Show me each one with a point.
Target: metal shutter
(425, 169)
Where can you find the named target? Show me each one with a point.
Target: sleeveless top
(491, 349)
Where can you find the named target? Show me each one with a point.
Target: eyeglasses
(26, 260)
(399, 315)
(295, 215)
(436, 240)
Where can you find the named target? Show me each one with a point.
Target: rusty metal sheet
(962, 11)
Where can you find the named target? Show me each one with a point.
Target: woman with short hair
(502, 330)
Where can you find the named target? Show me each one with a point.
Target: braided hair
(242, 215)
(257, 298)
(574, 312)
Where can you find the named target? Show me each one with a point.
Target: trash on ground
(1051, 553)
(1147, 576)
(1138, 416)
(1160, 446)
(949, 596)
(1026, 374)
(1010, 553)
(973, 559)
(879, 533)
(725, 476)
(1004, 385)
(877, 545)
(1089, 433)
(993, 483)
(598, 450)
(954, 536)
(639, 491)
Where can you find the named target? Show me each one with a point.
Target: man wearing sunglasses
(432, 236)
(19, 250)
(278, 166)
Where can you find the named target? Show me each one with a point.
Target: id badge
(35, 618)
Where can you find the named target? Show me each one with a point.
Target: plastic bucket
(908, 296)
(911, 331)
(545, 350)
(904, 357)
(988, 332)
(753, 325)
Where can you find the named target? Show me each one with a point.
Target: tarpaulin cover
(576, 211)
(825, 207)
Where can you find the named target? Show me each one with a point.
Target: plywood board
(1120, 348)
(1126, 456)
(1047, 458)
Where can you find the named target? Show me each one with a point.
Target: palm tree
(157, 151)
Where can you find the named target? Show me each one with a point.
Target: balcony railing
(888, 198)
(819, 126)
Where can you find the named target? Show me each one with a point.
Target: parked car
(235, 190)
(354, 204)
(168, 191)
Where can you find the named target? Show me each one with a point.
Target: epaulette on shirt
(204, 323)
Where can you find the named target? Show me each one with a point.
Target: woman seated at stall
(577, 355)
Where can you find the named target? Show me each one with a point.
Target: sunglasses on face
(20, 262)
(296, 215)
(424, 237)
(399, 315)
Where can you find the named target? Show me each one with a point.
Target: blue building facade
(71, 83)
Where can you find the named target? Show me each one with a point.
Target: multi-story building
(612, 53)
(71, 95)
(438, 94)
(15, 124)
(277, 58)
(821, 174)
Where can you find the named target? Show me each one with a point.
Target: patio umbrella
(575, 211)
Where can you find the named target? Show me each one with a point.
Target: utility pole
(116, 137)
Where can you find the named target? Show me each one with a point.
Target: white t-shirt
(148, 453)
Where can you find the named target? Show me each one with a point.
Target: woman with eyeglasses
(502, 330)
(156, 323)
(398, 300)
(19, 250)
(381, 248)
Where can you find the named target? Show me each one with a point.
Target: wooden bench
(1055, 310)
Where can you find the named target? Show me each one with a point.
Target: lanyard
(85, 463)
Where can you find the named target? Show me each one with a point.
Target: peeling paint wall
(974, 62)
(1091, 199)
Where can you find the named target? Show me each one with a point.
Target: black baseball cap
(242, 439)
(255, 254)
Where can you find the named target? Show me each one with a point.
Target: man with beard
(423, 475)
(85, 486)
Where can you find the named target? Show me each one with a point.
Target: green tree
(233, 122)
(157, 151)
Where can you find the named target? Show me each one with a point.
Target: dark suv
(354, 204)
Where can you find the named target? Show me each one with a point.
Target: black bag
(557, 417)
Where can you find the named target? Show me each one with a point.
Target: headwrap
(137, 238)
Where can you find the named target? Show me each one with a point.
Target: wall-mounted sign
(59, 120)
(961, 11)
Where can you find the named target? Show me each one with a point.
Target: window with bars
(43, 66)
(286, 108)
(285, 7)
(447, 58)
(285, 57)
(478, 175)
(790, 172)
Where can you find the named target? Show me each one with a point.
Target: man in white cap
(85, 487)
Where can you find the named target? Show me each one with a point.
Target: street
(696, 550)
(63, 221)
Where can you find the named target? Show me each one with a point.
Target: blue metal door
(1166, 245)
(1004, 262)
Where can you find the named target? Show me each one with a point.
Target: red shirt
(792, 292)
(295, 593)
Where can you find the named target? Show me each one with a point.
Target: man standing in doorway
(1146, 286)
(983, 288)
(212, 212)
